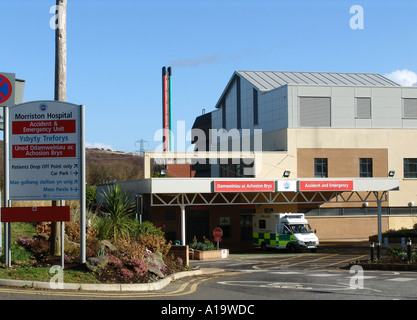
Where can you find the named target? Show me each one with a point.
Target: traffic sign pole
(7, 233)
(83, 203)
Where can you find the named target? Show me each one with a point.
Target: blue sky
(116, 50)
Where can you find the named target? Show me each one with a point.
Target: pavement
(122, 287)
(160, 284)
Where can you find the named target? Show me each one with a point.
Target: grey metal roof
(268, 80)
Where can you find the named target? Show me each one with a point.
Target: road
(260, 276)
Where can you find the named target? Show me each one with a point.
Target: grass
(22, 261)
(34, 273)
(24, 230)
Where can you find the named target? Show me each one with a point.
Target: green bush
(205, 245)
(400, 254)
(148, 227)
(402, 233)
(91, 195)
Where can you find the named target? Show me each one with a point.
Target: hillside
(103, 165)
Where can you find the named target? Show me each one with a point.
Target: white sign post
(45, 155)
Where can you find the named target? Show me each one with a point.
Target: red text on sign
(44, 151)
(43, 127)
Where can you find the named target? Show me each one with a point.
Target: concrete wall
(395, 141)
(341, 162)
(333, 228)
(360, 227)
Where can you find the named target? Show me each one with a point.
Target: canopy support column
(182, 220)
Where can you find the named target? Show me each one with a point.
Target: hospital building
(339, 147)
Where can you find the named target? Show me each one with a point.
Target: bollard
(372, 251)
(378, 251)
(409, 251)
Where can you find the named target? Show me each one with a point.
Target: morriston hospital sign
(44, 151)
(44, 159)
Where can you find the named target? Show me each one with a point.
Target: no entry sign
(217, 232)
(7, 93)
(44, 151)
(6, 89)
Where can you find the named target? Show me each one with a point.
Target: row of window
(363, 108)
(365, 168)
(358, 211)
(316, 111)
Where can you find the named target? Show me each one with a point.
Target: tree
(119, 208)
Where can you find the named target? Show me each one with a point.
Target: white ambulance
(289, 231)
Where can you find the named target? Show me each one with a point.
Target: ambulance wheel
(263, 246)
(291, 248)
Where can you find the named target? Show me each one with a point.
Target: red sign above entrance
(326, 185)
(244, 186)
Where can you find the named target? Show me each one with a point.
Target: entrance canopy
(185, 192)
(243, 191)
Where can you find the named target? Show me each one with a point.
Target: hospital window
(410, 168)
(365, 168)
(320, 168)
(409, 108)
(255, 107)
(363, 108)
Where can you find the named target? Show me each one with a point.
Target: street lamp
(410, 205)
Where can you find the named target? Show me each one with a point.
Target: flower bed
(125, 260)
(209, 254)
(206, 250)
(397, 260)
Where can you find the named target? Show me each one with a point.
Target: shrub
(400, 254)
(140, 266)
(155, 243)
(130, 247)
(72, 227)
(115, 261)
(118, 207)
(90, 195)
(25, 242)
(205, 245)
(126, 273)
(148, 227)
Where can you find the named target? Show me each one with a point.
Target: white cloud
(99, 145)
(194, 62)
(403, 77)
